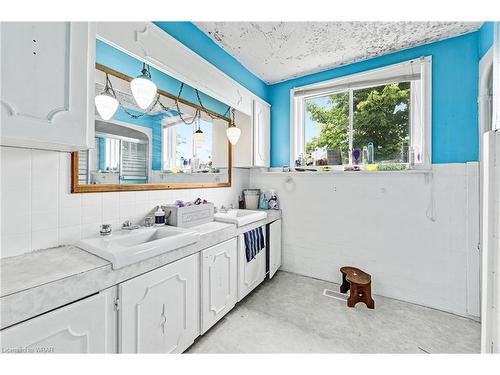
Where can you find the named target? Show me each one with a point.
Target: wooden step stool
(360, 285)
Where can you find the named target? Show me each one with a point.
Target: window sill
(340, 172)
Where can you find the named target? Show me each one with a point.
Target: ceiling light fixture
(143, 88)
(198, 136)
(106, 102)
(233, 133)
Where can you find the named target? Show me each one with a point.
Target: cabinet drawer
(86, 326)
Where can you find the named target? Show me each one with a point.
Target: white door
(250, 274)
(262, 133)
(47, 86)
(159, 310)
(86, 326)
(219, 272)
(274, 247)
(490, 244)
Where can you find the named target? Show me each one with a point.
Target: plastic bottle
(273, 200)
(159, 216)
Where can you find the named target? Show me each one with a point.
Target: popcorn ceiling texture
(277, 51)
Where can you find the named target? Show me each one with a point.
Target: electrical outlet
(334, 188)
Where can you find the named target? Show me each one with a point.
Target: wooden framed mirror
(156, 150)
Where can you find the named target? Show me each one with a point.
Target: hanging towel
(254, 242)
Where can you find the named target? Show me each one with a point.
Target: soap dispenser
(159, 216)
(263, 205)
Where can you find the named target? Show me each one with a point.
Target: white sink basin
(126, 247)
(240, 217)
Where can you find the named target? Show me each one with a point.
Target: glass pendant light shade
(198, 138)
(106, 102)
(106, 105)
(143, 89)
(233, 134)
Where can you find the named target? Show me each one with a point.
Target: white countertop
(37, 282)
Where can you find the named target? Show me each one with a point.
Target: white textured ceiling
(277, 51)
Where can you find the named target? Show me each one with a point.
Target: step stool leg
(353, 297)
(370, 303)
(345, 284)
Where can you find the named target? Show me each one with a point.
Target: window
(111, 154)
(179, 148)
(381, 116)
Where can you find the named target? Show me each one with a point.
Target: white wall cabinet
(47, 86)
(86, 326)
(262, 133)
(253, 148)
(274, 247)
(219, 282)
(159, 311)
(250, 274)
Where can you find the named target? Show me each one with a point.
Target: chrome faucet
(127, 224)
(223, 209)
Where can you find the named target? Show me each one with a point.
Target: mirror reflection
(171, 141)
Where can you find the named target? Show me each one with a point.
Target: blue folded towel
(254, 242)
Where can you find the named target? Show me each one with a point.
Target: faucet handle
(105, 229)
(127, 224)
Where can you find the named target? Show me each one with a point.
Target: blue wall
(195, 39)
(485, 38)
(454, 98)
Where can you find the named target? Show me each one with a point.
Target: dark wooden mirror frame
(96, 188)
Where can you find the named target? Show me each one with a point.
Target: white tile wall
(380, 223)
(38, 210)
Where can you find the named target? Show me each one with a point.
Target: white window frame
(397, 72)
(168, 135)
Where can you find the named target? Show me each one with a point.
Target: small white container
(251, 198)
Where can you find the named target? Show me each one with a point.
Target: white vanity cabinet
(85, 326)
(274, 242)
(159, 310)
(250, 274)
(219, 283)
(47, 86)
(253, 148)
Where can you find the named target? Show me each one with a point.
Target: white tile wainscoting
(38, 210)
(382, 223)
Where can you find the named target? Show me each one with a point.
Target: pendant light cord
(145, 71)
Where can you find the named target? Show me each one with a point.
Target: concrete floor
(289, 314)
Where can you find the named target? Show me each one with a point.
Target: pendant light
(233, 133)
(143, 89)
(198, 136)
(106, 102)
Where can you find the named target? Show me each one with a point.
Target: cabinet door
(274, 247)
(250, 274)
(47, 86)
(160, 310)
(219, 282)
(261, 129)
(87, 326)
